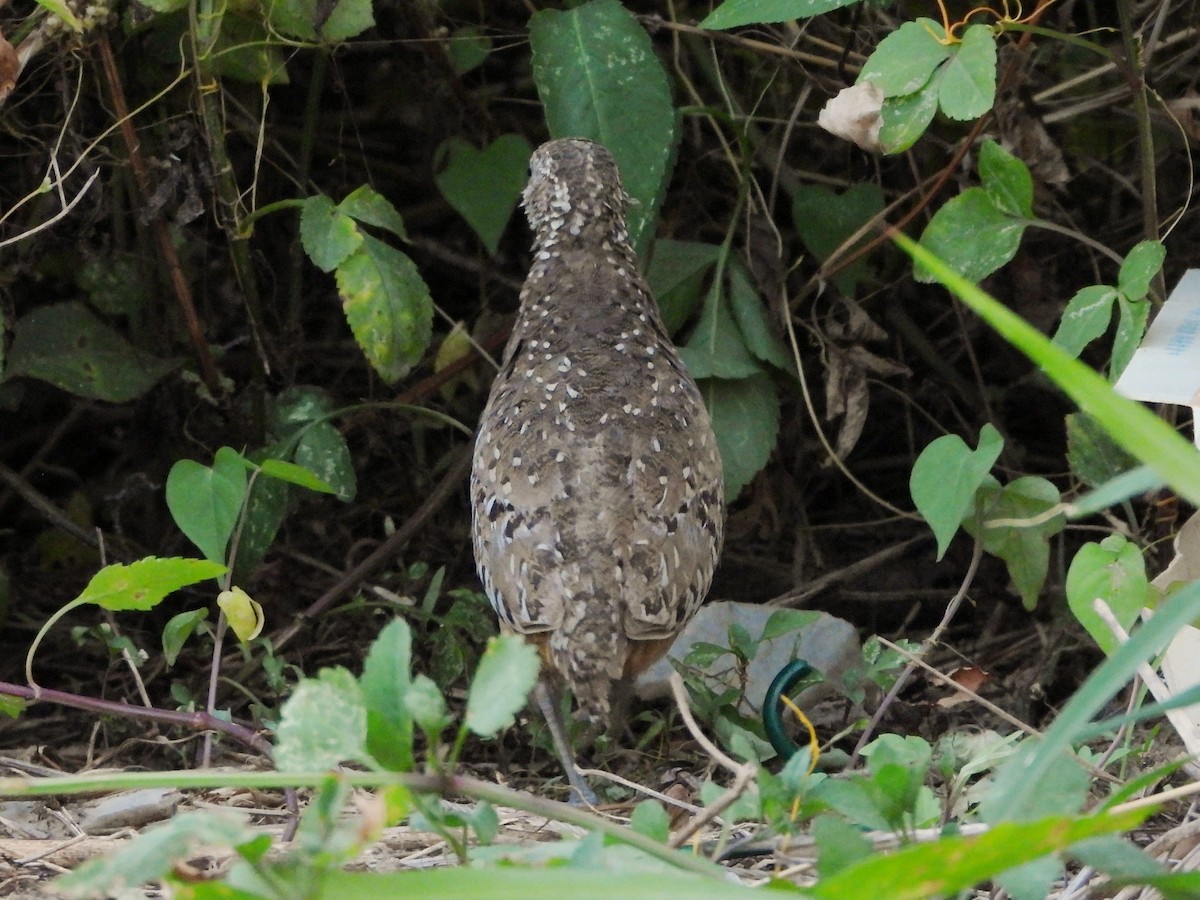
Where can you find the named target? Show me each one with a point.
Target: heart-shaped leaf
(484, 185)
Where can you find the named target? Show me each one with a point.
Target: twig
(1134, 66)
(49, 511)
(947, 618)
(162, 237)
(642, 789)
(61, 214)
(194, 721)
(685, 710)
(802, 595)
(386, 552)
(743, 772)
(991, 707)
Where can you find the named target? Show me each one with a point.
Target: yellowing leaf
(244, 614)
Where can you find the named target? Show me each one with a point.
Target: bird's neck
(577, 231)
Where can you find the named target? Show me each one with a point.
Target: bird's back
(597, 485)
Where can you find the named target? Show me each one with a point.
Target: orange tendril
(1004, 18)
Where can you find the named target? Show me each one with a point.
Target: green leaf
(327, 234)
(1024, 546)
(426, 705)
(388, 306)
(716, 347)
(143, 584)
(64, 12)
(945, 478)
(649, 818)
(1141, 264)
(323, 462)
(1095, 458)
(1112, 571)
(1032, 880)
(246, 51)
(839, 845)
(1086, 317)
(177, 630)
(467, 48)
(385, 683)
(953, 864)
(750, 313)
(12, 707)
(733, 13)
(676, 275)
(783, 621)
(365, 204)
(153, 854)
(322, 724)
(1115, 856)
(968, 85)
(825, 220)
(1005, 178)
(116, 283)
(904, 60)
(265, 508)
(972, 235)
(205, 503)
(741, 642)
(293, 473)
(484, 821)
(297, 406)
(69, 347)
(745, 417)
(906, 752)
(1131, 328)
(854, 800)
(301, 18)
(906, 118)
(500, 689)
(598, 78)
(484, 185)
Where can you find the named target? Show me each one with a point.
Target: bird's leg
(547, 700)
(622, 705)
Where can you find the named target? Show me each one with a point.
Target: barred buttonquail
(596, 488)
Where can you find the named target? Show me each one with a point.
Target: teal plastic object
(789, 676)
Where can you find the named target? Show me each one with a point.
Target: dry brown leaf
(10, 68)
(970, 678)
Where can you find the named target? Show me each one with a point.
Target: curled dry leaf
(855, 115)
(849, 363)
(971, 678)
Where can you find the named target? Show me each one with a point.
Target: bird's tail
(589, 651)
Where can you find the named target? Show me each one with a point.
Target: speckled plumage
(596, 488)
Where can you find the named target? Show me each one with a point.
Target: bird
(597, 488)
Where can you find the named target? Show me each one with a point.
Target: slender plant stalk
(162, 237)
(1135, 73)
(312, 112)
(205, 21)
